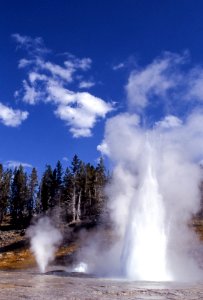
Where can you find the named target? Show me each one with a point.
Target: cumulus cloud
(49, 82)
(82, 117)
(12, 117)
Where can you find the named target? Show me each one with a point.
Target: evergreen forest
(76, 192)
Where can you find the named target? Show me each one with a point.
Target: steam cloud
(44, 239)
(154, 194)
(154, 191)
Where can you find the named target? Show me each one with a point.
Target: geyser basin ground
(32, 285)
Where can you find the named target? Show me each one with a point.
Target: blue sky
(68, 66)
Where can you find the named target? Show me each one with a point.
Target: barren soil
(62, 285)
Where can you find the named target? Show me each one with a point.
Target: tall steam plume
(154, 191)
(153, 195)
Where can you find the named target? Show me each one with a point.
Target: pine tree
(75, 168)
(67, 191)
(19, 197)
(46, 189)
(100, 182)
(81, 191)
(88, 200)
(5, 181)
(32, 192)
(58, 173)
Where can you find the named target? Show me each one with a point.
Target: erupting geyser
(153, 194)
(144, 253)
(45, 239)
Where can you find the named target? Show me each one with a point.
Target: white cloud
(154, 80)
(49, 82)
(34, 46)
(65, 72)
(33, 76)
(118, 66)
(56, 70)
(103, 148)
(168, 80)
(31, 95)
(15, 164)
(11, 117)
(86, 84)
(24, 63)
(195, 81)
(58, 94)
(85, 63)
(82, 116)
(22, 40)
(76, 63)
(169, 122)
(80, 132)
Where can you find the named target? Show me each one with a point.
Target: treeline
(76, 191)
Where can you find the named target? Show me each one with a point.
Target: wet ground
(57, 284)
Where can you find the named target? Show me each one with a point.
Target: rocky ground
(61, 285)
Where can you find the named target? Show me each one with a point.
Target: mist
(44, 241)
